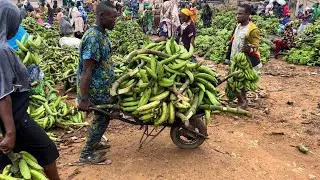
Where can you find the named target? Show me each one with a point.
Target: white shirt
(239, 35)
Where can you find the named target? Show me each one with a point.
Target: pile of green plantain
(267, 24)
(161, 85)
(126, 36)
(48, 110)
(28, 49)
(212, 42)
(60, 65)
(50, 36)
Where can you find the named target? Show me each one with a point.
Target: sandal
(95, 159)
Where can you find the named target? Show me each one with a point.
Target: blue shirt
(285, 20)
(18, 36)
(95, 44)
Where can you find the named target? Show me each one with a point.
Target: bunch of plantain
(247, 77)
(24, 166)
(29, 49)
(265, 50)
(160, 83)
(48, 109)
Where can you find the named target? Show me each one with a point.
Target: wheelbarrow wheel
(186, 139)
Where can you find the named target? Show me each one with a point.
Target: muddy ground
(286, 114)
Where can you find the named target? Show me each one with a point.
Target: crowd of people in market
(286, 30)
(95, 71)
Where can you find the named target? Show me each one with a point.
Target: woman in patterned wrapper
(169, 20)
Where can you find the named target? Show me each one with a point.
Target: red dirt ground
(262, 147)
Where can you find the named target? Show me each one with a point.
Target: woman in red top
(286, 10)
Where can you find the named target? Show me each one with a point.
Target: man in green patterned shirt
(94, 78)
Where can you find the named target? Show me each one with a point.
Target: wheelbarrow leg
(146, 134)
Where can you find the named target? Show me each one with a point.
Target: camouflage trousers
(96, 131)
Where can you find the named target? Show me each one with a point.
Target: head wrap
(10, 19)
(187, 12)
(13, 74)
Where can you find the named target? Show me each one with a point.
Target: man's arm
(85, 82)
(6, 116)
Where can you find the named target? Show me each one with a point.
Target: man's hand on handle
(84, 105)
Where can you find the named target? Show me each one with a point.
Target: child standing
(187, 30)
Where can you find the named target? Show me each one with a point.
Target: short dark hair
(103, 5)
(247, 8)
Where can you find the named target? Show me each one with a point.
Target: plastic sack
(69, 41)
(35, 73)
